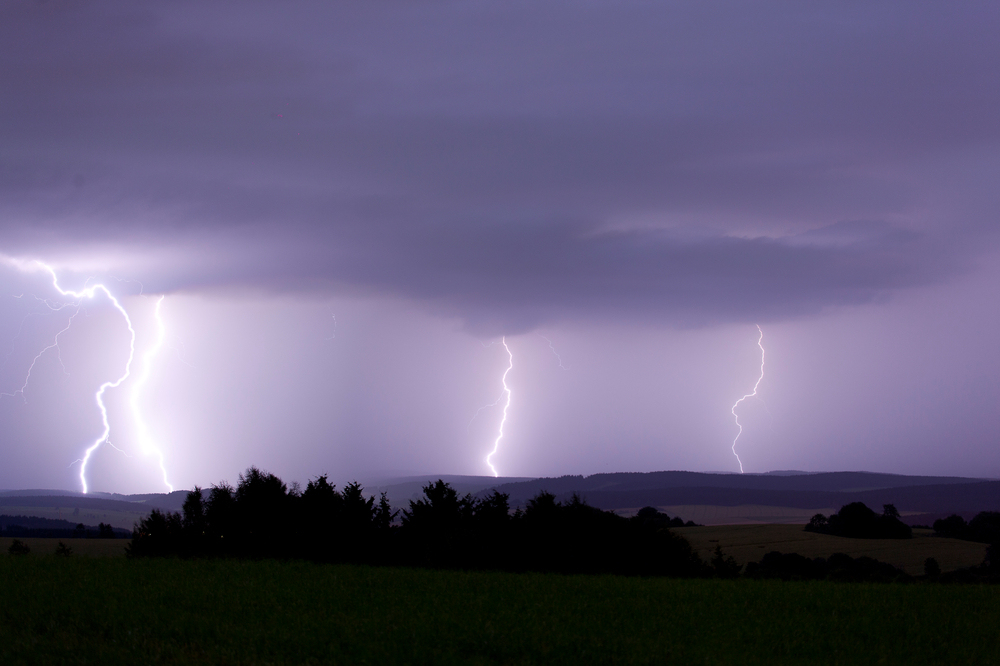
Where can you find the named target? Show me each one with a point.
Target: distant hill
(800, 492)
(31, 526)
(400, 490)
(912, 494)
(121, 511)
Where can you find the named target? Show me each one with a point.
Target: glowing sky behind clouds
(343, 201)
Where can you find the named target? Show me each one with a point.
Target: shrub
(18, 547)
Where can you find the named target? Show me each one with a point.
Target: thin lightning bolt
(145, 440)
(553, 348)
(333, 315)
(506, 389)
(748, 395)
(55, 344)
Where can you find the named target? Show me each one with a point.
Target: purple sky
(346, 203)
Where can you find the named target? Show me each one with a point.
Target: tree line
(43, 528)
(857, 521)
(261, 517)
(984, 527)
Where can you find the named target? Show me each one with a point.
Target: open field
(119, 611)
(748, 543)
(743, 514)
(87, 547)
(123, 519)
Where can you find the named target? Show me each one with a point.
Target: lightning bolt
(142, 432)
(553, 348)
(90, 292)
(506, 391)
(55, 345)
(748, 395)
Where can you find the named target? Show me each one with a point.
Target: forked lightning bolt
(90, 292)
(105, 437)
(506, 391)
(54, 345)
(142, 432)
(748, 395)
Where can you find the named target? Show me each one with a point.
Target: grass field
(743, 514)
(123, 519)
(88, 547)
(119, 611)
(748, 543)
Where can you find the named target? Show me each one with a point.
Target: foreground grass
(110, 611)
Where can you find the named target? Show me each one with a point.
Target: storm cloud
(510, 164)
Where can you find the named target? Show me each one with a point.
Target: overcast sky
(347, 205)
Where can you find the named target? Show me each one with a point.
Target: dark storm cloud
(508, 163)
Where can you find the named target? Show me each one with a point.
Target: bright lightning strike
(142, 432)
(90, 292)
(748, 395)
(506, 390)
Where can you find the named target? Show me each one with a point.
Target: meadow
(749, 543)
(88, 547)
(80, 610)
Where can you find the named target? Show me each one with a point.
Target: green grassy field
(123, 519)
(749, 543)
(88, 547)
(118, 611)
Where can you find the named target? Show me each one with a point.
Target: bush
(841, 567)
(18, 547)
(856, 520)
(984, 528)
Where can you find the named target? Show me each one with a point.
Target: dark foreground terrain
(116, 611)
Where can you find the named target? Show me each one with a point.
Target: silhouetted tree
(818, 523)
(856, 520)
(157, 534)
(105, 531)
(985, 527)
(321, 507)
(262, 525)
(262, 518)
(220, 520)
(434, 529)
(792, 566)
(18, 547)
(953, 526)
(725, 566)
(383, 515)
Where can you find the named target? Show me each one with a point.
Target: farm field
(123, 519)
(748, 543)
(743, 514)
(119, 611)
(87, 547)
